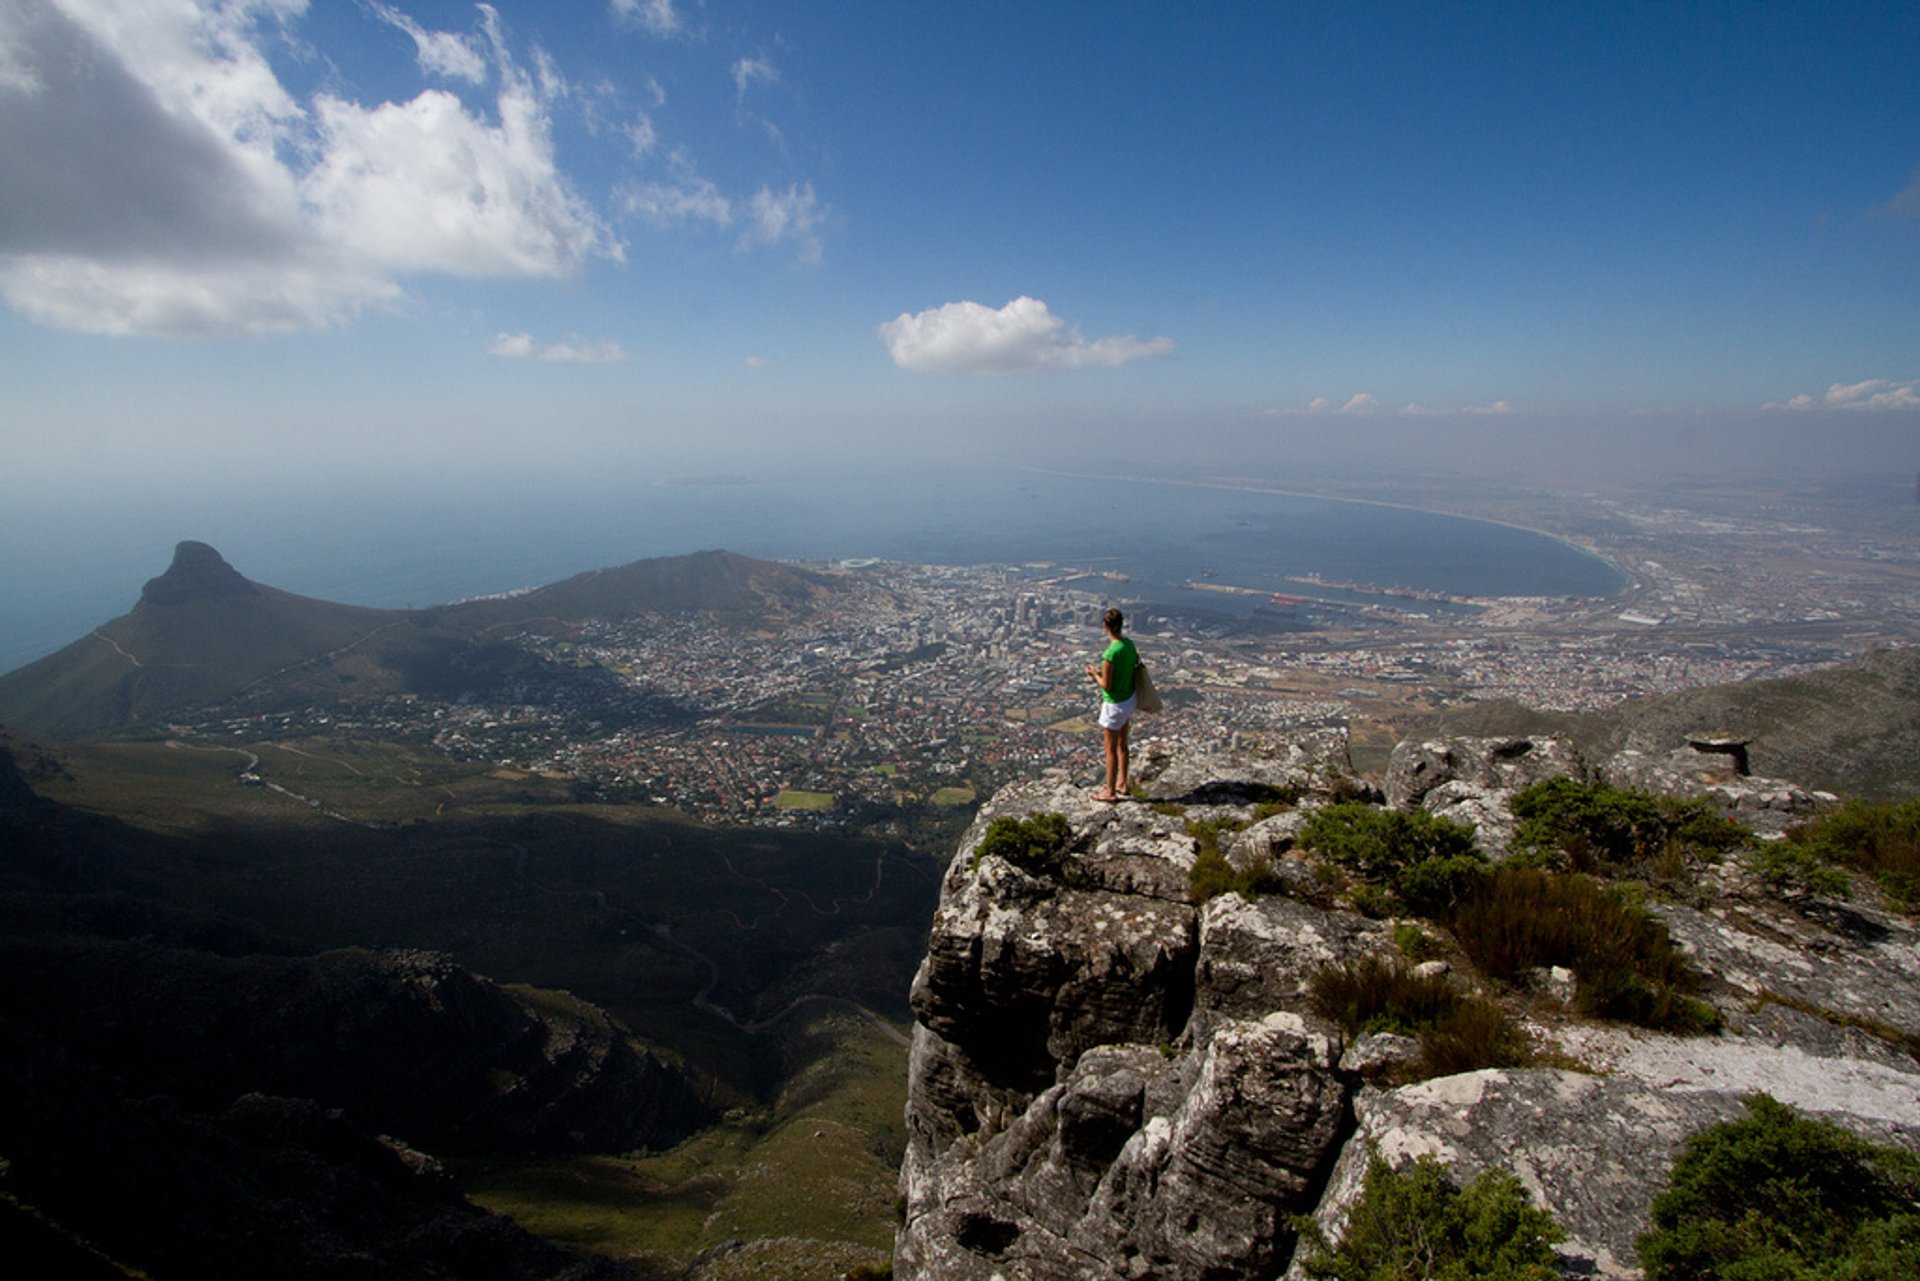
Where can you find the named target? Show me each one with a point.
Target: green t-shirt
(1124, 658)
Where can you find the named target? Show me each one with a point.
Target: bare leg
(1111, 740)
(1124, 759)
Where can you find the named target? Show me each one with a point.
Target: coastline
(1630, 580)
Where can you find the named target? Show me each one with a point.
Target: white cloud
(1875, 395)
(1471, 411)
(965, 337)
(576, 353)
(687, 198)
(523, 347)
(444, 53)
(641, 134)
(792, 215)
(179, 188)
(656, 17)
(751, 71)
(1365, 404)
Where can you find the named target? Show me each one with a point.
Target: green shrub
(1413, 941)
(1425, 861)
(1881, 840)
(1517, 919)
(1615, 831)
(1416, 1224)
(1208, 831)
(1457, 1032)
(1377, 843)
(1779, 1196)
(1434, 886)
(1475, 1034)
(1792, 868)
(1035, 843)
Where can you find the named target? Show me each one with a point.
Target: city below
(927, 686)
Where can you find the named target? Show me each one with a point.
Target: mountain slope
(199, 634)
(202, 635)
(1852, 729)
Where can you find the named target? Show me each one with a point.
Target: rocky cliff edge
(1110, 1080)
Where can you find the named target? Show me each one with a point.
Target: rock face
(1110, 1080)
(1469, 780)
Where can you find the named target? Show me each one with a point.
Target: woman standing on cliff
(1114, 676)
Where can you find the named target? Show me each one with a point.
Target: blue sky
(290, 240)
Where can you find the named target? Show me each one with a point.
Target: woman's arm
(1102, 675)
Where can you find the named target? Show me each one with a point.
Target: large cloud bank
(163, 180)
(966, 337)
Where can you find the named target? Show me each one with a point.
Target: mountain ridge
(203, 634)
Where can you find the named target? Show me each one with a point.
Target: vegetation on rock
(1519, 919)
(1590, 827)
(1881, 840)
(1776, 1196)
(1211, 873)
(1033, 844)
(1457, 1032)
(1417, 1223)
(1426, 862)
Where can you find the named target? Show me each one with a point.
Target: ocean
(67, 570)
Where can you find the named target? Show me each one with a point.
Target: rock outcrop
(1109, 1079)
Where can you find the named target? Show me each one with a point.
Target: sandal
(1108, 797)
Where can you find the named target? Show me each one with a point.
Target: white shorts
(1116, 715)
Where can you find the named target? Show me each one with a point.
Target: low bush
(1777, 1196)
(1881, 840)
(1212, 874)
(1590, 827)
(1035, 843)
(1518, 919)
(1378, 843)
(1793, 869)
(1457, 1032)
(1417, 1224)
(1426, 862)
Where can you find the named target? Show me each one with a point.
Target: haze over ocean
(398, 546)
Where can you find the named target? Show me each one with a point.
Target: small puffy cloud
(655, 17)
(1875, 395)
(966, 337)
(444, 53)
(180, 189)
(756, 362)
(573, 352)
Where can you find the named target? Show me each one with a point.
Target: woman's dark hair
(1113, 620)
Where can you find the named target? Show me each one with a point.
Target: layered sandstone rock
(1108, 1080)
